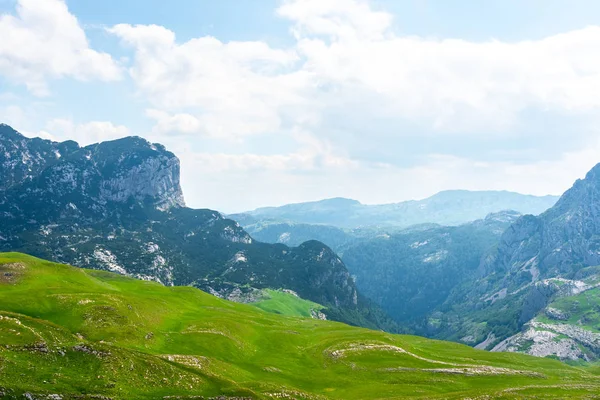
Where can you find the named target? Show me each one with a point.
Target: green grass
(72, 331)
(279, 302)
(583, 310)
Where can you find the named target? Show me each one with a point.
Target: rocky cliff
(536, 263)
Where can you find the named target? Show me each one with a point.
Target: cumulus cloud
(451, 85)
(374, 114)
(339, 19)
(234, 89)
(424, 113)
(87, 133)
(347, 59)
(45, 41)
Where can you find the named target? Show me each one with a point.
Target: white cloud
(312, 155)
(389, 116)
(351, 79)
(449, 84)
(84, 134)
(348, 60)
(233, 89)
(12, 115)
(340, 19)
(43, 41)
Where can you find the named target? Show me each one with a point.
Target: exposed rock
(491, 338)
(41, 347)
(316, 314)
(583, 336)
(83, 348)
(542, 343)
(553, 313)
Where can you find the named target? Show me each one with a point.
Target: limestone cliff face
(129, 169)
(560, 244)
(142, 171)
(559, 241)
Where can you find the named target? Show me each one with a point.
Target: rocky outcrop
(22, 158)
(558, 242)
(567, 342)
(542, 343)
(555, 314)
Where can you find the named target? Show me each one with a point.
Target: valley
(492, 283)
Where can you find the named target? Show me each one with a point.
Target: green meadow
(84, 334)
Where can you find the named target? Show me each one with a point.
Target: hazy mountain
(445, 208)
(118, 206)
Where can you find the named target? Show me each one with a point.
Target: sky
(268, 102)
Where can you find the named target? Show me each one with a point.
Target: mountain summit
(129, 169)
(558, 242)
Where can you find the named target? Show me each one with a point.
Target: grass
(583, 310)
(79, 332)
(280, 302)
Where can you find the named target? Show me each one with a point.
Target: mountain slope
(71, 333)
(293, 234)
(537, 261)
(445, 208)
(118, 206)
(412, 273)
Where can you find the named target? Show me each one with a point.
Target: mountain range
(118, 206)
(453, 207)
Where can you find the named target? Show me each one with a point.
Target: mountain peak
(8, 131)
(339, 202)
(584, 194)
(594, 173)
(113, 171)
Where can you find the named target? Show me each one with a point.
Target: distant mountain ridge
(118, 206)
(445, 208)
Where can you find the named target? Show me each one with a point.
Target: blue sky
(277, 101)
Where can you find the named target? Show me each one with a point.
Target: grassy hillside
(285, 303)
(70, 331)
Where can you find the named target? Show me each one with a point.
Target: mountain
(412, 273)
(544, 263)
(293, 234)
(445, 208)
(68, 333)
(118, 206)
